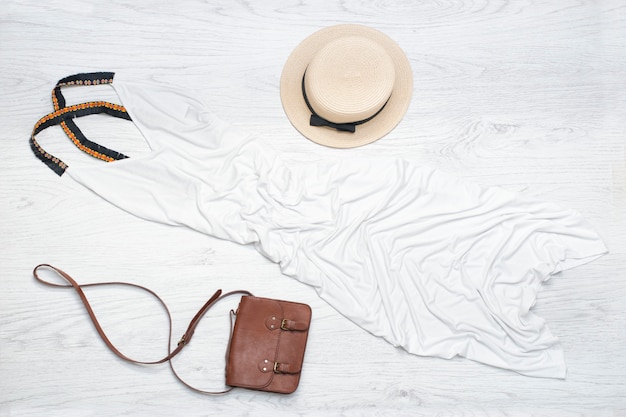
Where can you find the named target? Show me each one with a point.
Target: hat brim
(299, 114)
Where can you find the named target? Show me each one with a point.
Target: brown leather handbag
(266, 346)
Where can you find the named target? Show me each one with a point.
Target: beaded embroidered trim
(63, 115)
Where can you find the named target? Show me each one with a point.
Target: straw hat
(346, 86)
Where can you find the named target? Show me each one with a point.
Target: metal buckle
(276, 366)
(283, 325)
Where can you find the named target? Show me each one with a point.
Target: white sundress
(429, 262)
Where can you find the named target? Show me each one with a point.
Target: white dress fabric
(435, 265)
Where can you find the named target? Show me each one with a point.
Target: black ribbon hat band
(317, 120)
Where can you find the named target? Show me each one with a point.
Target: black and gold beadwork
(63, 115)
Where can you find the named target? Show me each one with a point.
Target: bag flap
(253, 346)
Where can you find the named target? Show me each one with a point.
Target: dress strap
(63, 115)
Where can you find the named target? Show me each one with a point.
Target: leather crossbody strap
(185, 339)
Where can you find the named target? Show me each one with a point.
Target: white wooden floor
(527, 95)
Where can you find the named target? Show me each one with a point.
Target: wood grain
(526, 95)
